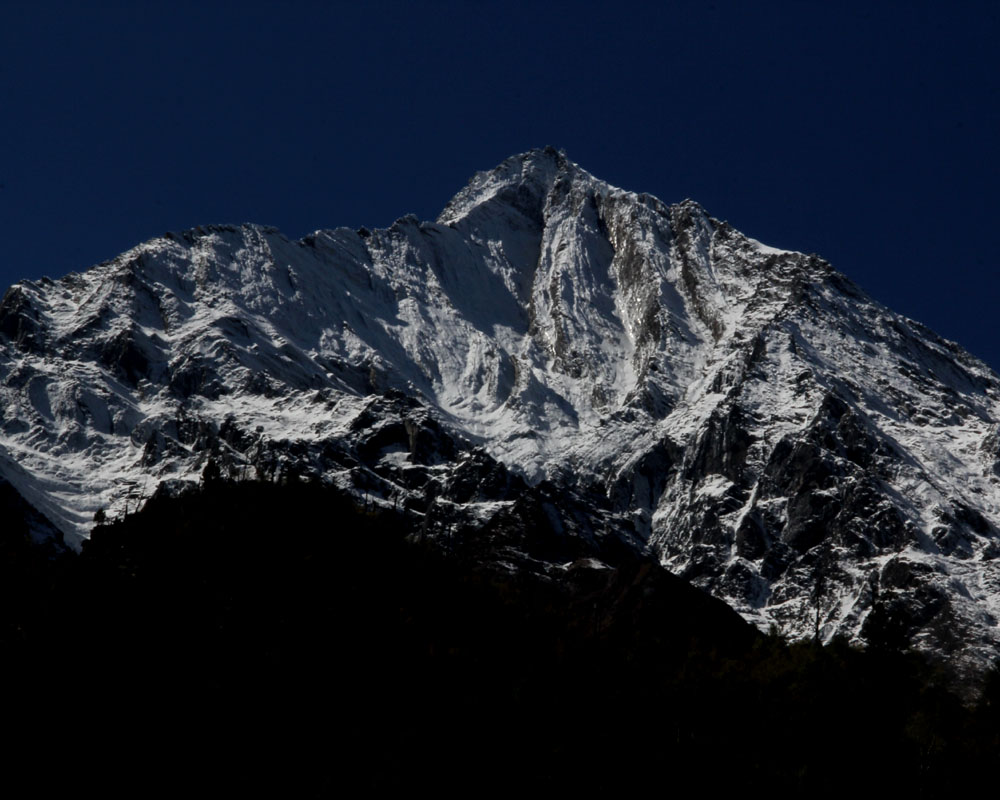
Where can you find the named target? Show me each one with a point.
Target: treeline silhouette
(259, 636)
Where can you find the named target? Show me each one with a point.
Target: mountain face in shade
(567, 366)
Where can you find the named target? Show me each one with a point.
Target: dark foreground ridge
(256, 636)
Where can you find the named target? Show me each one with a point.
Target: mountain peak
(555, 355)
(521, 183)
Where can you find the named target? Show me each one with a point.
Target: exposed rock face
(552, 353)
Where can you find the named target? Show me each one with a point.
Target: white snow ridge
(747, 413)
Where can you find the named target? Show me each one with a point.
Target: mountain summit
(554, 361)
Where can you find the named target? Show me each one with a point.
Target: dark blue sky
(866, 132)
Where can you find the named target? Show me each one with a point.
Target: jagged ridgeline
(255, 636)
(640, 374)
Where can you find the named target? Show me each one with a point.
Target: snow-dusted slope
(749, 413)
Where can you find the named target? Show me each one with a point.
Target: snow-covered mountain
(552, 355)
